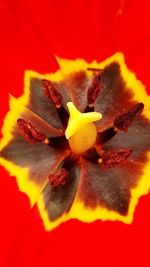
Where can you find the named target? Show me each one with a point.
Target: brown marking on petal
(115, 96)
(95, 70)
(78, 84)
(41, 105)
(94, 90)
(29, 132)
(59, 178)
(39, 159)
(123, 121)
(113, 158)
(58, 200)
(52, 93)
(137, 137)
(109, 188)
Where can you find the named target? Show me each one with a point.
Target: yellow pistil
(81, 131)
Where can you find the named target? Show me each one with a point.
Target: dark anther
(123, 121)
(52, 93)
(29, 132)
(113, 158)
(59, 178)
(93, 90)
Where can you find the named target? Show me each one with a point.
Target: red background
(30, 34)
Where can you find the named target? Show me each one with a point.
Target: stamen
(59, 178)
(113, 158)
(93, 90)
(29, 132)
(105, 136)
(52, 93)
(123, 121)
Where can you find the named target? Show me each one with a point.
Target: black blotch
(58, 200)
(137, 138)
(38, 158)
(41, 105)
(79, 83)
(110, 188)
(115, 97)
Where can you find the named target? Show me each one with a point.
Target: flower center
(81, 131)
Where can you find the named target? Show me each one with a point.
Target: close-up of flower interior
(78, 141)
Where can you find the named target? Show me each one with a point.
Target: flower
(72, 166)
(30, 32)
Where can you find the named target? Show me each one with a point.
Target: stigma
(81, 130)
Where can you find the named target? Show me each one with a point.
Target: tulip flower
(78, 138)
(79, 144)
